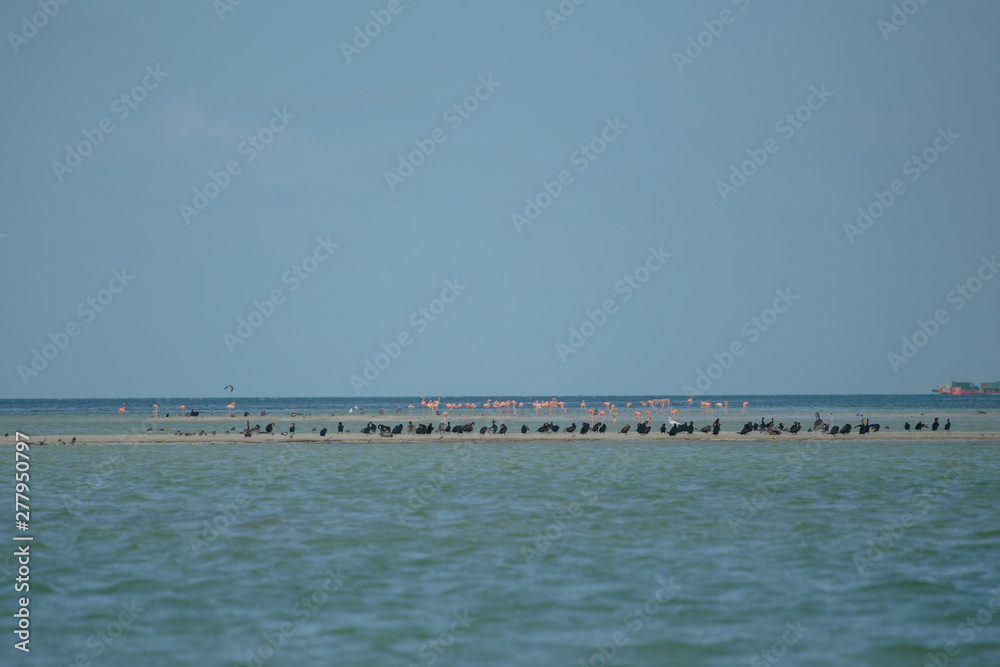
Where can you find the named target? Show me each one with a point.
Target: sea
(463, 552)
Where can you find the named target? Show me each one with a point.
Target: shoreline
(516, 437)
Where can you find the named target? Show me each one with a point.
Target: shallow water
(545, 552)
(100, 416)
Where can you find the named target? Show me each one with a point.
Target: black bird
(291, 429)
(947, 425)
(674, 430)
(323, 432)
(935, 425)
(906, 426)
(494, 427)
(584, 428)
(796, 427)
(571, 429)
(663, 428)
(835, 430)
(690, 428)
(846, 429)
(920, 425)
(229, 387)
(625, 428)
(503, 429)
(555, 428)
(604, 427)
(706, 429)
(340, 427)
(876, 427)
(716, 428)
(863, 427)
(397, 429)
(746, 428)
(482, 431)
(524, 428)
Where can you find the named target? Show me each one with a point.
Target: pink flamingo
(691, 403)
(583, 407)
(591, 411)
(121, 412)
(614, 415)
(156, 411)
(727, 407)
(648, 415)
(745, 404)
(601, 413)
(718, 405)
(231, 406)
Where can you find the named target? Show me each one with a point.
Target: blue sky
(597, 100)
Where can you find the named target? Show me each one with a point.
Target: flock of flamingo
(550, 406)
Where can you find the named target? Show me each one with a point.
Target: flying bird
(229, 387)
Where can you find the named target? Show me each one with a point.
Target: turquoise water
(521, 554)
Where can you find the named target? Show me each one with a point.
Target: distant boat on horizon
(967, 389)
